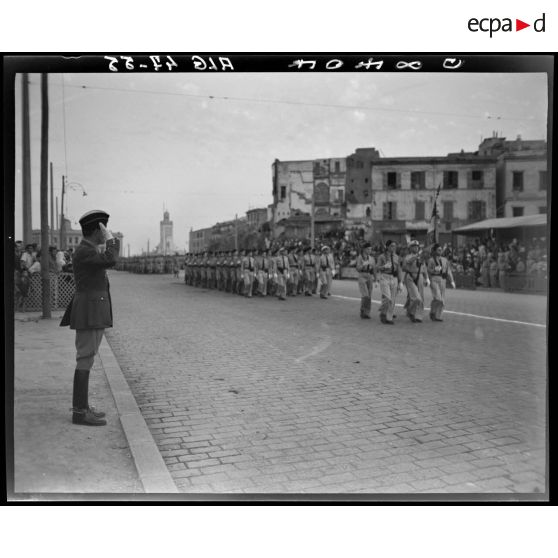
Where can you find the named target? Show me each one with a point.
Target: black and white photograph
(297, 277)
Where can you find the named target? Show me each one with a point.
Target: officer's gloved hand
(107, 235)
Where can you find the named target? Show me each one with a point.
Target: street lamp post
(72, 185)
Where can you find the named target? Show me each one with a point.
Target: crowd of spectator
(27, 263)
(486, 261)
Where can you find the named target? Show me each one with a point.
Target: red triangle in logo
(519, 25)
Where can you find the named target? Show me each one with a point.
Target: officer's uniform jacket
(91, 306)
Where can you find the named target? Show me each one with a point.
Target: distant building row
(392, 197)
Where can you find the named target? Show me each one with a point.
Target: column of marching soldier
(302, 271)
(286, 272)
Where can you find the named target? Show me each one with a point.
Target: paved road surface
(259, 396)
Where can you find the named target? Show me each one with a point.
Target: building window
(366, 180)
(368, 212)
(542, 180)
(450, 180)
(337, 196)
(283, 192)
(391, 180)
(359, 164)
(542, 209)
(517, 211)
(419, 211)
(476, 179)
(337, 166)
(390, 211)
(517, 181)
(448, 211)
(477, 210)
(418, 181)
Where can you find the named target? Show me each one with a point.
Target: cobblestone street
(302, 396)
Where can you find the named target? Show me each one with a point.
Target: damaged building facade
(404, 189)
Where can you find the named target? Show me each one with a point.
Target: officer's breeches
(87, 346)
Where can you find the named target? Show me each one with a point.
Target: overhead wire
(298, 103)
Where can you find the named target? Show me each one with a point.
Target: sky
(140, 143)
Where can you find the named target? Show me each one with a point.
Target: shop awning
(504, 223)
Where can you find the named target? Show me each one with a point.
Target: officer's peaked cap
(94, 216)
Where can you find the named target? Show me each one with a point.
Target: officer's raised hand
(107, 235)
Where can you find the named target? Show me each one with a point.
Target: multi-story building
(521, 179)
(404, 188)
(358, 189)
(293, 184)
(199, 240)
(300, 186)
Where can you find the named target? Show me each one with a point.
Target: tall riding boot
(362, 307)
(81, 412)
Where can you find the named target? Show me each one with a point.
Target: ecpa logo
(494, 24)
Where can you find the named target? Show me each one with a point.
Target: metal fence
(62, 288)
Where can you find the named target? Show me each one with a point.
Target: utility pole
(312, 219)
(57, 220)
(62, 231)
(148, 246)
(45, 252)
(51, 228)
(236, 231)
(26, 168)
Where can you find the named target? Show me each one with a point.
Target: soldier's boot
(82, 413)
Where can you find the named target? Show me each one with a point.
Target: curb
(151, 467)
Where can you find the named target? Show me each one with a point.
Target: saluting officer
(90, 311)
(389, 268)
(439, 270)
(366, 267)
(412, 266)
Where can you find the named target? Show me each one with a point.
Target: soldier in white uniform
(326, 270)
(389, 268)
(366, 267)
(439, 270)
(281, 273)
(413, 268)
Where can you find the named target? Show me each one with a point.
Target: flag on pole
(432, 233)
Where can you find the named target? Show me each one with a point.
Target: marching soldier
(309, 271)
(282, 273)
(366, 267)
(292, 285)
(439, 270)
(90, 311)
(412, 266)
(390, 281)
(327, 268)
(266, 272)
(248, 268)
(238, 272)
